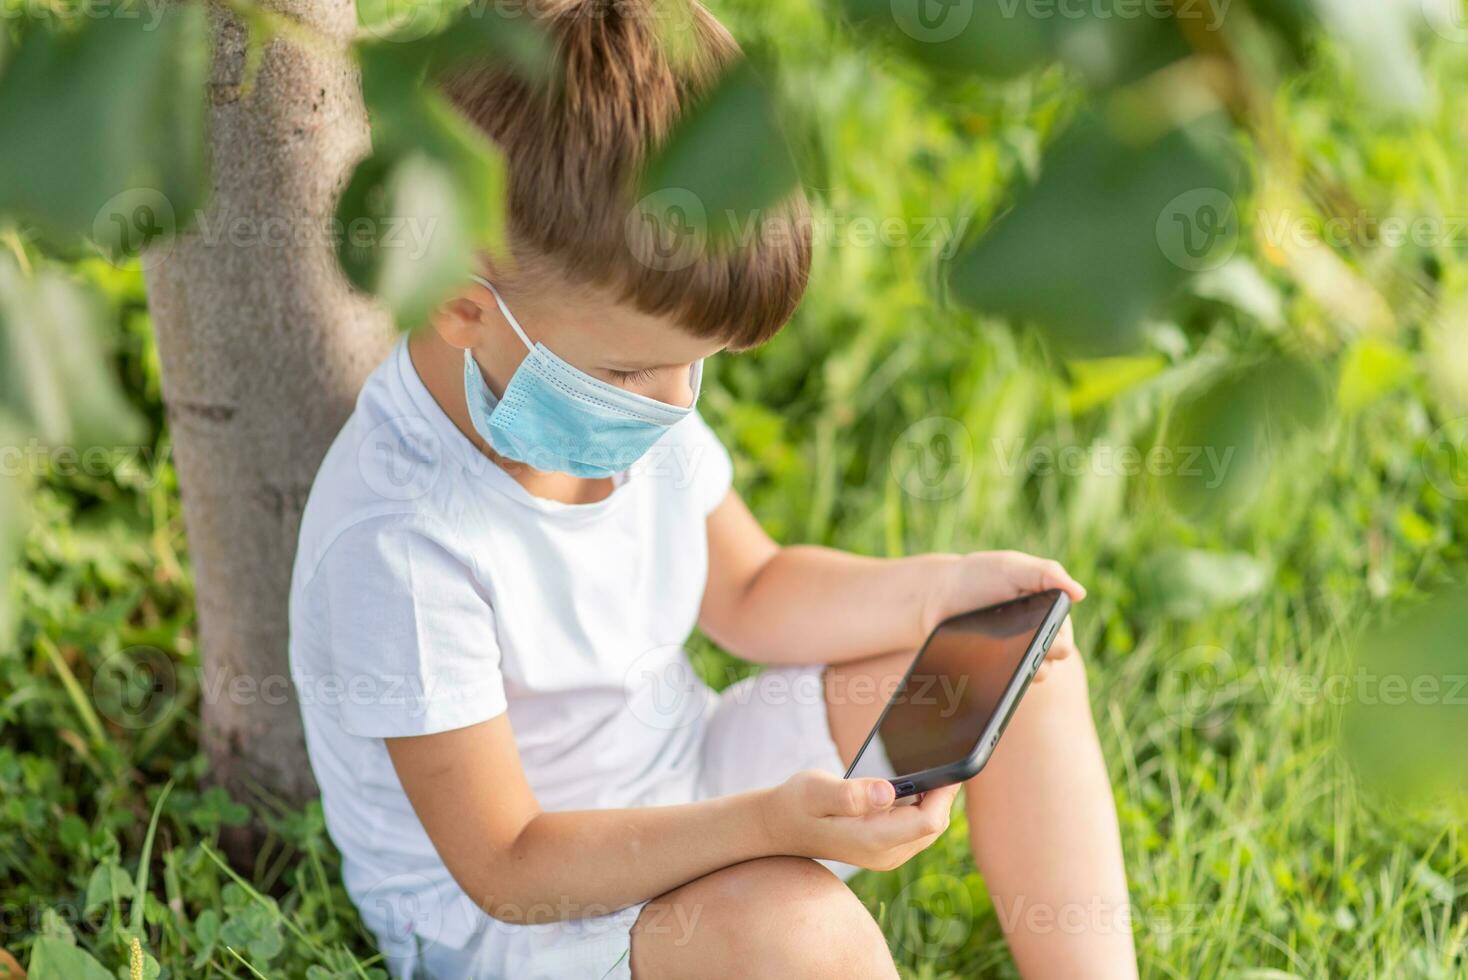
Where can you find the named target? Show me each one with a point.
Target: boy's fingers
(940, 800)
(1031, 574)
(1054, 576)
(936, 807)
(1065, 642)
(858, 797)
(927, 819)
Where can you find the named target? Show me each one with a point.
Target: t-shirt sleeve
(410, 632)
(711, 468)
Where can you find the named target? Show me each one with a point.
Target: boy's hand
(817, 814)
(982, 578)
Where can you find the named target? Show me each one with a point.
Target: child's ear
(459, 322)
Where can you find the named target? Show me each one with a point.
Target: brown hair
(574, 150)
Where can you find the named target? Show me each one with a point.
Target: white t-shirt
(432, 592)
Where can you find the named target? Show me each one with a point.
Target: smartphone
(945, 717)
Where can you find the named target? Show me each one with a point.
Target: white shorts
(760, 731)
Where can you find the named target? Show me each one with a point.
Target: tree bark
(263, 348)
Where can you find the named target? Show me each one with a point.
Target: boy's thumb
(860, 796)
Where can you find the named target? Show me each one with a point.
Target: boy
(523, 520)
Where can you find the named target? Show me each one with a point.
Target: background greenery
(887, 420)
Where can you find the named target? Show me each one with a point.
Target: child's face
(586, 328)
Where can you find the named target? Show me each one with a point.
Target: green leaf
(107, 882)
(405, 237)
(1372, 368)
(1293, 21)
(99, 889)
(1239, 284)
(724, 162)
(256, 930)
(1109, 45)
(431, 198)
(1106, 42)
(485, 32)
(140, 887)
(1223, 442)
(52, 959)
(989, 37)
(1099, 380)
(55, 927)
(54, 375)
(152, 969)
(14, 520)
(105, 128)
(1089, 251)
(1405, 726)
(1183, 583)
(206, 930)
(207, 926)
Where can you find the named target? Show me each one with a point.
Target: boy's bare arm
(811, 605)
(521, 864)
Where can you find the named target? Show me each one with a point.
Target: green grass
(1253, 850)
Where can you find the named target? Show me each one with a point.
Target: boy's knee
(811, 924)
(771, 917)
(1070, 672)
(1059, 702)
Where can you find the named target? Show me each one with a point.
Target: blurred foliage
(1261, 475)
(1080, 251)
(54, 381)
(78, 145)
(730, 157)
(1408, 717)
(432, 175)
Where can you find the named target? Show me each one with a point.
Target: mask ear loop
(695, 380)
(509, 317)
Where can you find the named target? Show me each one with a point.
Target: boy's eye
(631, 377)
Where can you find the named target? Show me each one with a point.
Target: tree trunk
(263, 348)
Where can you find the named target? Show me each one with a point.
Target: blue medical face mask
(556, 417)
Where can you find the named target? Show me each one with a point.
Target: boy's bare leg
(1042, 820)
(774, 917)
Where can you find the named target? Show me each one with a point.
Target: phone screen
(944, 705)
